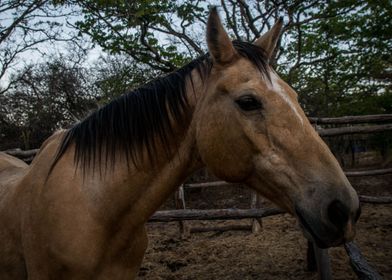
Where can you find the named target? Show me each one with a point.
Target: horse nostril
(338, 213)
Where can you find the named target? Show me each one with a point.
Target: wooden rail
(368, 172)
(353, 119)
(221, 228)
(326, 132)
(207, 184)
(353, 130)
(359, 264)
(214, 214)
(237, 214)
(372, 172)
(22, 153)
(375, 199)
(381, 118)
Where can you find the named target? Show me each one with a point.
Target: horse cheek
(225, 151)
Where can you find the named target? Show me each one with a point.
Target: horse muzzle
(335, 227)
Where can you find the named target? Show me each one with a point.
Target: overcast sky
(42, 51)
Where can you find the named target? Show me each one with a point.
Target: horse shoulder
(54, 139)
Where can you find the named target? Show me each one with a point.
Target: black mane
(132, 121)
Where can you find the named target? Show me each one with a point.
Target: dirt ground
(277, 252)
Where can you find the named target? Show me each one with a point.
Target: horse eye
(248, 103)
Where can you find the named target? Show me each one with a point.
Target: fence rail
(326, 132)
(353, 119)
(22, 153)
(213, 214)
(360, 173)
(237, 214)
(371, 172)
(353, 130)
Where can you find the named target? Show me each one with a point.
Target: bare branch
(231, 21)
(155, 53)
(248, 17)
(187, 39)
(5, 33)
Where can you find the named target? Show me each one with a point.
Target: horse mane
(141, 118)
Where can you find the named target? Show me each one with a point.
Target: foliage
(132, 28)
(336, 54)
(44, 98)
(114, 75)
(343, 62)
(29, 28)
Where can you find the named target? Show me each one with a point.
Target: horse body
(78, 228)
(79, 211)
(10, 165)
(11, 257)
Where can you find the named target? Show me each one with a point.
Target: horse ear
(268, 41)
(219, 44)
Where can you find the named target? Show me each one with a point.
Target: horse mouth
(306, 226)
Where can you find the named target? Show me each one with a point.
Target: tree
(134, 28)
(342, 62)
(114, 75)
(44, 98)
(28, 27)
(336, 54)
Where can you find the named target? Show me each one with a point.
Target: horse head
(250, 128)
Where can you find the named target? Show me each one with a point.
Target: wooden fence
(318, 259)
(317, 256)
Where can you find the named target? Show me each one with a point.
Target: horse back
(10, 162)
(11, 169)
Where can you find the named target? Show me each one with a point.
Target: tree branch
(32, 7)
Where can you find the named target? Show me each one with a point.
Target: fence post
(311, 258)
(257, 223)
(318, 260)
(323, 263)
(179, 199)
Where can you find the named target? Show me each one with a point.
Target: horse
(11, 164)
(79, 211)
(11, 171)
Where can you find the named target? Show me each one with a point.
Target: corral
(278, 252)
(260, 255)
(225, 248)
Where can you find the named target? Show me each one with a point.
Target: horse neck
(140, 191)
(163, 181)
